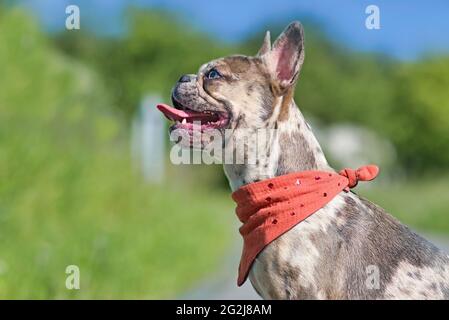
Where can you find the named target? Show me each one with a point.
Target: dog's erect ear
(285, 59)
(266, 45)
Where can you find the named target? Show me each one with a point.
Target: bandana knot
(365, 173)
(269, 208)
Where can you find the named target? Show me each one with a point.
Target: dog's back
(351, 249)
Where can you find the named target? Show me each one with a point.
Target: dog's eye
(213, 74)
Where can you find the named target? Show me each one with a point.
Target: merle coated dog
(327, 255)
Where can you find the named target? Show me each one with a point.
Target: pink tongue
(178, 115)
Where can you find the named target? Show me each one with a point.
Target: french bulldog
(333, 253)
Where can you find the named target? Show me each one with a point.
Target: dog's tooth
(184, 121)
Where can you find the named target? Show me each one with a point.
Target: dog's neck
(290, 147)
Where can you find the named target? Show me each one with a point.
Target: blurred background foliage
(68, 194)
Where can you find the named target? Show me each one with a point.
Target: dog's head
(239, 92)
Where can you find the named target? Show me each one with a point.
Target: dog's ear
(266, 45)
(285, 59)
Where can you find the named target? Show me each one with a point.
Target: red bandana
(271, 207)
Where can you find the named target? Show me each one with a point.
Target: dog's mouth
(188, 119)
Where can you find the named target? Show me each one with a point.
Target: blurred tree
(420, 123)
(155, 52)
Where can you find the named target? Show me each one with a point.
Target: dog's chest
(291, 267)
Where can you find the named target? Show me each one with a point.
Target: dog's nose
(185, 78)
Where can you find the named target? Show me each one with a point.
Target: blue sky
(409, 29)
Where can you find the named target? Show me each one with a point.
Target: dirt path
(223, 285)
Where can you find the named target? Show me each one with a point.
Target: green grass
(422, 204)
(150, 242)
